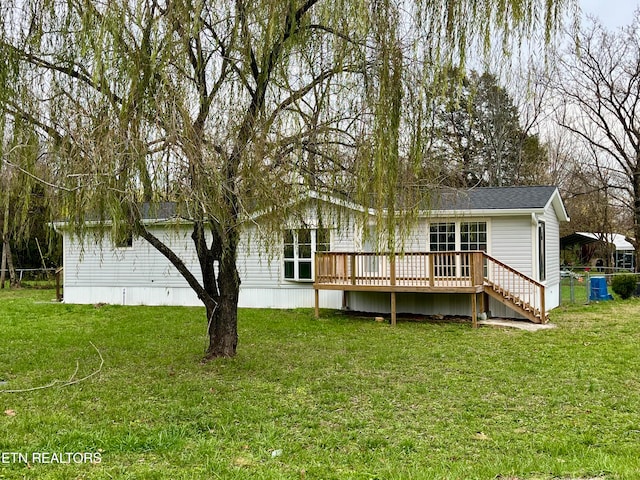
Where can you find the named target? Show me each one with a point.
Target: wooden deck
(473, 273)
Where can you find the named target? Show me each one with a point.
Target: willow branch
(63, 383)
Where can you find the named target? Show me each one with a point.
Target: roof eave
(558, 206)
(64, 225)
(482, 212)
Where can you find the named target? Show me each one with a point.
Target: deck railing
(411, 269)
(429, 271)
(515, 287)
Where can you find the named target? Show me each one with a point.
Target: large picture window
(454, 236)
(442, 237)
(299, 246)
(473, 236)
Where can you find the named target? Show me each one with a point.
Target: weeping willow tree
(228, 108)
(20, 209)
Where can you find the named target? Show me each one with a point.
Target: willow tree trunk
(636, 212)
(13, 278)
(3, 263)
(218, 291)
(223, 317)
(5, 243)
(7, 265)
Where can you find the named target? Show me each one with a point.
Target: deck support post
(353, 269)
(474, 310)
(484, 302)
(432, 271)
(393, 309)
(502, 283)
(317, 302)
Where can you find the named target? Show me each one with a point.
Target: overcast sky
(612, 13)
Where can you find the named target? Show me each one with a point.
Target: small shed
(600, 250)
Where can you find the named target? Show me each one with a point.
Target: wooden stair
(516, 304)
(464, 272)
(517, 291)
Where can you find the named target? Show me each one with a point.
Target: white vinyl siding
(512, 242)
(97, 272)
(553, 246)
(258, 264)
(141, 265)
(140, 275)
(552, 282)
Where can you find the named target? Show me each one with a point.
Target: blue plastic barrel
(599, 289)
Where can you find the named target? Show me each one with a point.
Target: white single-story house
(496, 245)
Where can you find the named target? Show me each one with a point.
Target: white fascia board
(558, 206)
(313, 195)
(489, 212)
(63, 225)
(340, 202)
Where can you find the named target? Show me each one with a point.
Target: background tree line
(226, 108)
(595, 85)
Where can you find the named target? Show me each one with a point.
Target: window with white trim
(542, 251)
(299, 248)
(456, 236)
(473, 236)
(442, 237)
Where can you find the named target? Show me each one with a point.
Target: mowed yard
(337, 398)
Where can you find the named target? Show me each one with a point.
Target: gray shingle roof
(158, 210)
(495, 198)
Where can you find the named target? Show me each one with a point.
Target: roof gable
(500, 199)
(496, 198)
(476, 201)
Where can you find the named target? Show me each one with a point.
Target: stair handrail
(513, 270)
(535, 301)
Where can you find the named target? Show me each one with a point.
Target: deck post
(474, 310)
(392, 268)
(393, 309)
(477, 270)
(344, 265)
(432, 270)
(317, 302)
(353, 269)
(484, 302)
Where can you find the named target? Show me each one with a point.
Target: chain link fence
(33, 277)
(584, 285)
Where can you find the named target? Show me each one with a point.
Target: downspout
(535, 270)
(536, 264)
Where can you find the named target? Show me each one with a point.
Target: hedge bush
(624, 285)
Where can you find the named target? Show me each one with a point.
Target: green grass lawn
(335, 398)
